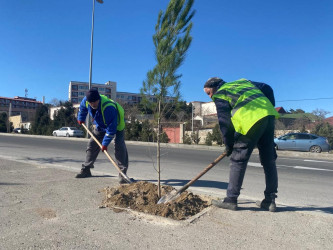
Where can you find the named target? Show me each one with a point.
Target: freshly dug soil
(142, 197)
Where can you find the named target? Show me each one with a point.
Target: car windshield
(72, 128)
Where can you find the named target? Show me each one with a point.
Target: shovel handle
(202, 172)
(107, 154)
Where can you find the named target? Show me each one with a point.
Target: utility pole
(91, 55)
(192, 117)
(9, 115)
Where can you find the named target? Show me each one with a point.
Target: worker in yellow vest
(246, 116)
(108, 117)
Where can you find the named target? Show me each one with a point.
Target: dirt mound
(142, 196)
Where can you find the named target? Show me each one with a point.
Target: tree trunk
(159, 149)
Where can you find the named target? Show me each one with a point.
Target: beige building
(26, 107)
(77, 90)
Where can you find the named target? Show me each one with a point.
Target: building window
(74, 87)
(74, 94)
(82, 93)
(108, 91)
(74, 100)
(83, 87)
(101, 89)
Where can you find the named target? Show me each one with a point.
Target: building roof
(329, 120)
(23, 99)
(280, 110)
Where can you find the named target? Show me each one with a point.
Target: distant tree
(187, 139)
(3, 122)
(217, 135)
(195, 137)
(320, 114)
(297, 111)
(42, 124)
(147, 134)
(65, 116)
(324, 129)
(132, 130)
(55, 102)
(171, 40)
(209, 139)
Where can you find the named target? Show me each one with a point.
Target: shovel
(107, 154)
(175, 194)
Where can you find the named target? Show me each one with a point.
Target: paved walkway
(47, 208)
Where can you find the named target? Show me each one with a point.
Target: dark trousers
(120, 150)
(262, 136)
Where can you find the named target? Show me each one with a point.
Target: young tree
(171, 40)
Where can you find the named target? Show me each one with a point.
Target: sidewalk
(47, 208)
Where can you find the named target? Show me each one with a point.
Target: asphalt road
(305, 184)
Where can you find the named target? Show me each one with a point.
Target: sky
(287, 44)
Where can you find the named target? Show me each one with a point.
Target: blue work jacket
(110, 115)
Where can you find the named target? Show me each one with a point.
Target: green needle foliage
(171, 40)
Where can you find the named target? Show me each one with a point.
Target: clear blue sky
(288, 44)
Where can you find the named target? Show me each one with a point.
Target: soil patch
(142, 197)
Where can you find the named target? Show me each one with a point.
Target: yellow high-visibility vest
(106, 102)
(248, 104)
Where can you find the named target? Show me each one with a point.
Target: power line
(313, 99)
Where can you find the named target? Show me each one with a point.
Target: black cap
(92, 95)
(213, 82)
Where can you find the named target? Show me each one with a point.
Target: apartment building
(26, 107)
(77, 90)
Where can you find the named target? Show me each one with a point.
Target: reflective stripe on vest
(106, 102)
(248, 104)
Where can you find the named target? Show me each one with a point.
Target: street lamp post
(91, 54)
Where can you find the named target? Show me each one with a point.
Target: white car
(68, 131)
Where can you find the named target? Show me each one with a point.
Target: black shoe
(227, 203)
(268, 203)
(85, 172)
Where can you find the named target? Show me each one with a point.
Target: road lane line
(319, 161)
(307, 168)
(258, 165)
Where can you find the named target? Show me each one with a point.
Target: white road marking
(254, 164)
(258, 165)
(321, 169)
(319, 161)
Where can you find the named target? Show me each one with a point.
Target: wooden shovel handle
(202, 172)
(107, 154)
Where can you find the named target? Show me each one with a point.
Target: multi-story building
(77, 90)
(128, 98)
(26, 107)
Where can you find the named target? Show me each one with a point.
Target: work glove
(80, 122)
(228, 150)
(104, 148)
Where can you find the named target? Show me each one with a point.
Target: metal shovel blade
(169, 197)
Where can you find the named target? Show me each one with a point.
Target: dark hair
(213, 82)
(92, 95)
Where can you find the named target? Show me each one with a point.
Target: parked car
(17, 130)
(302, 142)
(68, 131)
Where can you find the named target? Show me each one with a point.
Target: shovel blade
(168, 197)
